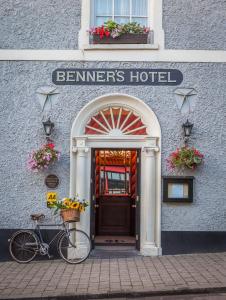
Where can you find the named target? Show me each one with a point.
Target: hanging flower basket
(42, 158)
(113, 33)
(185, 158)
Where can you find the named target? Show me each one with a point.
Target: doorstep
(114, 252)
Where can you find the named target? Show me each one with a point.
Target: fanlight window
(116, 121)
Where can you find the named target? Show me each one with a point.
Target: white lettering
(110, 75)
(143, 76)
(100, 75)
(120, 76)
(162, 77)
(60, 76)
(153, 76)
(70, 76)
(80, 77)
(169, 78)
(91, 76)
(132, 76)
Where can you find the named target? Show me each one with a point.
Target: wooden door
(114, 215)
(115, 206)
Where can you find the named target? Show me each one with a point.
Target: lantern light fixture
(48, 127)
(187, 127)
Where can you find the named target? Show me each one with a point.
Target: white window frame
(130, 16)
(155, 23)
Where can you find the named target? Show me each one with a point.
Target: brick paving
(113, 277)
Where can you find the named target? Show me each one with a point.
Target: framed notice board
(178, 189)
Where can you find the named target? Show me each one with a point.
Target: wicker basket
(70, 215)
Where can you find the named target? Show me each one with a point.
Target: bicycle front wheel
(74, 246)
(23, 246)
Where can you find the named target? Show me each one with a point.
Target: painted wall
(54, 24)
(194, 24)
(23, 192)
(39, 24)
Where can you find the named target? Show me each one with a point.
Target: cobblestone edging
(99, 278)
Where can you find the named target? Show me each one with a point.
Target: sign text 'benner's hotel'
(117, 77)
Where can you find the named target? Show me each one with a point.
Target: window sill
(121, 47)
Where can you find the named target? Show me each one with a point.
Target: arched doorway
(112, 122)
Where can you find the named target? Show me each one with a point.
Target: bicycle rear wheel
(23, 246)
(74, 246)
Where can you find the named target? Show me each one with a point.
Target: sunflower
(81, 208)
(74, 205)
(67, 202)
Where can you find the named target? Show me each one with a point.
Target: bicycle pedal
(50, 256)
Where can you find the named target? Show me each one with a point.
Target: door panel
(114, 215)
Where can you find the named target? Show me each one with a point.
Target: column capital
(81, 151)
(150, 151)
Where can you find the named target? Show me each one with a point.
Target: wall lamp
(187, 127)
(48, 128)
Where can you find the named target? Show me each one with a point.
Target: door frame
(93, 196)
(150, 145)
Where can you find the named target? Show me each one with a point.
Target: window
(121, 11)
(114, 180)
(145, 12)
(115, 172)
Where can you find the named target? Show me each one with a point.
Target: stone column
(148, 246)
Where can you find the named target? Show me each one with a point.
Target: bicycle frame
(37, 230)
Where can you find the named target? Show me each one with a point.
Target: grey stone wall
(54, 24)
(39, 24)
(23, 192)
(195, 24)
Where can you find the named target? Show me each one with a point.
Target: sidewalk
(134, 276)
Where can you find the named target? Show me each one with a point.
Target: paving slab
(117, 277)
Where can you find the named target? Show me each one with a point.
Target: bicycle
(73, 245)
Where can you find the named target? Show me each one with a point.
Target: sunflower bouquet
(70, 208)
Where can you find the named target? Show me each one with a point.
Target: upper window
(121, 11)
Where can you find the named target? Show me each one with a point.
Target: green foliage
(110, 25)
(185, 157)
(132, 27)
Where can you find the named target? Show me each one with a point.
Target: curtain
(103, 7)
(122, 10)
(139, 8)
(122, 7)
(103, 11)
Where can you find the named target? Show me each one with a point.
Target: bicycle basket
(70, 215)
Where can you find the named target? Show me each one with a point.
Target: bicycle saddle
(37, 217)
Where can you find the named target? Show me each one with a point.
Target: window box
(178, 189)
(128, 38)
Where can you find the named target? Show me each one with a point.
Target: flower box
(128, 38)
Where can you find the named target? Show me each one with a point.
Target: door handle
(96, 205)
(134, 206)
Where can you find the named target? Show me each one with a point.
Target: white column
(148, 243)
(81, 184)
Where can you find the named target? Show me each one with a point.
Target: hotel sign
(117, 77)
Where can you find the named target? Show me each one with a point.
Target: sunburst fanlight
(116, 121)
